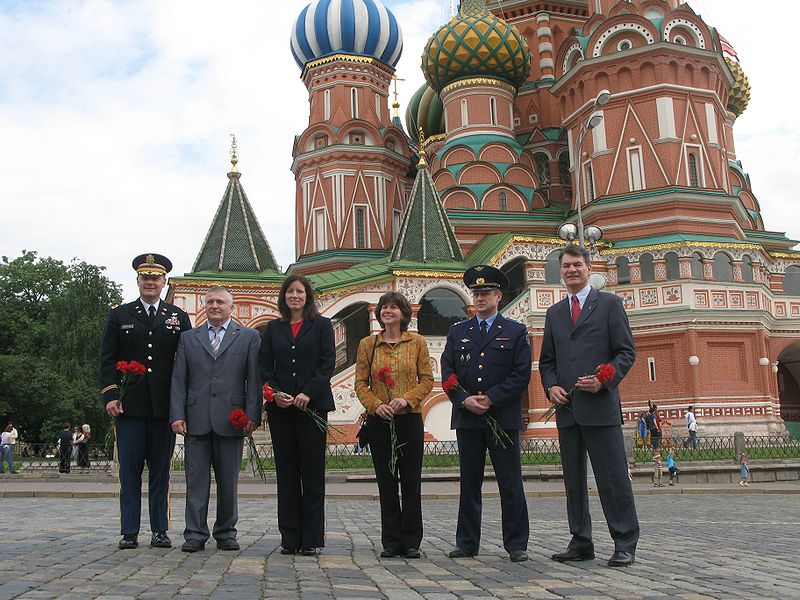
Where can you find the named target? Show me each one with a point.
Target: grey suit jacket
(205, 390)
(601, 335)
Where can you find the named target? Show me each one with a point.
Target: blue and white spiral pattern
(361, 27)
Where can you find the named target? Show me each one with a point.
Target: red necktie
(576, 309)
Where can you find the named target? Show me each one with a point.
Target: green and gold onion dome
(739, 96)
(425, 110)
(475, 43)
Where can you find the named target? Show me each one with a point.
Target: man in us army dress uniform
(491, 356)
(146, 330)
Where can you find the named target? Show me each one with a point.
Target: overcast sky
(114, 119)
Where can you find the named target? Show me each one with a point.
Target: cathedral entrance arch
(789, 386)
(350, 325)
(517, 283)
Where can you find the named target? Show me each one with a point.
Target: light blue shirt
(223, 329)
(489, 321)
(582, 295)
(147, 306)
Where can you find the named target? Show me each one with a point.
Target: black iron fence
(441, 454)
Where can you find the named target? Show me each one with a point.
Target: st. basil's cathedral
(603, 121)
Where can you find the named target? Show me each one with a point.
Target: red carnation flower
(385, 376)
(238, 419)
(605, 373)
(122, 366)
(269, 395)
(450, 383)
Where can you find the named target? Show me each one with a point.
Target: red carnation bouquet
(603, 373)
(319, 420)
(499, 435)
(384, 375)
(239, 420)
(130, 371)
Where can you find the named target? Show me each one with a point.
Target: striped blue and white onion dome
(359, 27)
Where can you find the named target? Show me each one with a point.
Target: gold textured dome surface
(475, 43)
(739, 95)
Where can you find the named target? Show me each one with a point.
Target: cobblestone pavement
(692, 547)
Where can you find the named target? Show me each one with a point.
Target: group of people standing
(73, 442)
(487, 362)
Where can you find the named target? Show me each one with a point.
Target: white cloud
(115, 119)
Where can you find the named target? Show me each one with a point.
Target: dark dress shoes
(518, 555)
(227, 544)
(621, 559)
(461, 553)
(308, 551)
(389, 553)
(193, 546)
(572, 555)
(412, 553)
(129, 541)
(160, 539)
(288, 550)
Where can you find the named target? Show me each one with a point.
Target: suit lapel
(304, 328)
(205, 340)
(286, 330)
(493, 331)
(588, 308)
(160, 317)
(137, 310)
(230, 336)
(473, 330)
(564, 313)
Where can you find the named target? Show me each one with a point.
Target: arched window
(326, 108)
(552, 268)
(361, 229)
(464, 115)
(542, 168)
(694, 175)
(623, 270)
(647, 268)
(722, 267)
(672, 265)
(747, 269)
(493, 109)
(564, 174)
(791, 281)
(503, 201)
(697, 266)
(515, 271)
(353, 103)
(438, 310)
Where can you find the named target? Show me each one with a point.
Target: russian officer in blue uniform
(146, 330)
(491, 356)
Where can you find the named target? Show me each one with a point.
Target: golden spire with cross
(234, 156)
(396, 104)
(422, 154)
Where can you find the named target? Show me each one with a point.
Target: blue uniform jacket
(499, 365)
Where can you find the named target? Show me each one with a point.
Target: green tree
(54, 315)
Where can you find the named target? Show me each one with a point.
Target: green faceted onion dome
(475, 43)
(739, 96)
(425, 110)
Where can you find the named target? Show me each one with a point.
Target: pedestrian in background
(672, 468)
(657, 469)
(406, 356)
(82, 442)
(691, 426)
(654, 427)
(6, 455)
(12, 439)
(745, 468)
(641, 429)
(64, 448)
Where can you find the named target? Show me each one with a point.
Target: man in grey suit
(583, 331)
(216, 371)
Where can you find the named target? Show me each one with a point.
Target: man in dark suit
(216, 372)
(583, 331)
(147, 331)
(491, 356)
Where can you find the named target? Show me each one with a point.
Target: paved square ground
(693, 546)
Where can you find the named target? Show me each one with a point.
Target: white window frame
(320, 229)
(651, 368)
(464, 113)
(701, 176)
(587, 178)
(378, 106)
(711, 123)
(636, 181)
(493, 110)
(354, 103)
(326, 105)
(365, 208)
(666, 117)
(599, 133)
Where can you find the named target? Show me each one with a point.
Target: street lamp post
(593, 121)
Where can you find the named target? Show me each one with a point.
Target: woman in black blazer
(297, 357)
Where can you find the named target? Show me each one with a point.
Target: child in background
(745, 464)
(673, 470)
(657, 469)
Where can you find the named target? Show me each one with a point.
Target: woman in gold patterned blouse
(406, 356)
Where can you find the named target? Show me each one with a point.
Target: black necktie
(483, 328)
(151, 313)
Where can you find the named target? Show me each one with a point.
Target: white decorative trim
(640, 29)
(576, 47)
(699, 37)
